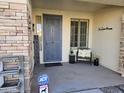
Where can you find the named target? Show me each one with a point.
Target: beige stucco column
(16, 33)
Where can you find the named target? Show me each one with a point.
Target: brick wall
(121, 58)
(15, 34)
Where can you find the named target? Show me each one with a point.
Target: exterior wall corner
(121, 57)
(16, 33)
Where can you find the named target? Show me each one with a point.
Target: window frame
(79, 31)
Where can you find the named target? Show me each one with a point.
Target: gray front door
(52, 36)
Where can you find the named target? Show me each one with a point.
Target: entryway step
(112, 89)
(121, 87)
(91, 91)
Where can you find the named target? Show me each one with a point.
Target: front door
(52, 36)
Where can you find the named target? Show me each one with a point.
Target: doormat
(53, 64)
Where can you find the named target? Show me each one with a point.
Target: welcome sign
(104, 28)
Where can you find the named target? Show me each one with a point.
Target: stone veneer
(121, 58)
(16, 34)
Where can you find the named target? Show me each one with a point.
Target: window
(79, 33)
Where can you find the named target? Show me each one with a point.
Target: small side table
(71, 59)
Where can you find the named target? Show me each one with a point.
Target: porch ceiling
(71, 5)
(108, 2)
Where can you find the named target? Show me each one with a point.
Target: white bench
(84, 55)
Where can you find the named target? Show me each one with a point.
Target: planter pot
(71, 59)
(96, 62)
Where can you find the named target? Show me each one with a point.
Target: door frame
(45, 14)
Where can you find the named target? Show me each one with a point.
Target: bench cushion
(84, 53)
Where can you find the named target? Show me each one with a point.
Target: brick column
(121, 58)
(15, 34)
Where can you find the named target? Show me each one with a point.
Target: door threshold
(53, 62)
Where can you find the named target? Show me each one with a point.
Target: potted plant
(71, 56)
(71, 52)
(96, 60)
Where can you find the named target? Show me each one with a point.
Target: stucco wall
(106, 43)
(66, 28)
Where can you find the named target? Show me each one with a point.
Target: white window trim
(87, 34)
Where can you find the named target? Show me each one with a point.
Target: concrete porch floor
(76, 77)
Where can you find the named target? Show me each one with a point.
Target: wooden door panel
(52, 38)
